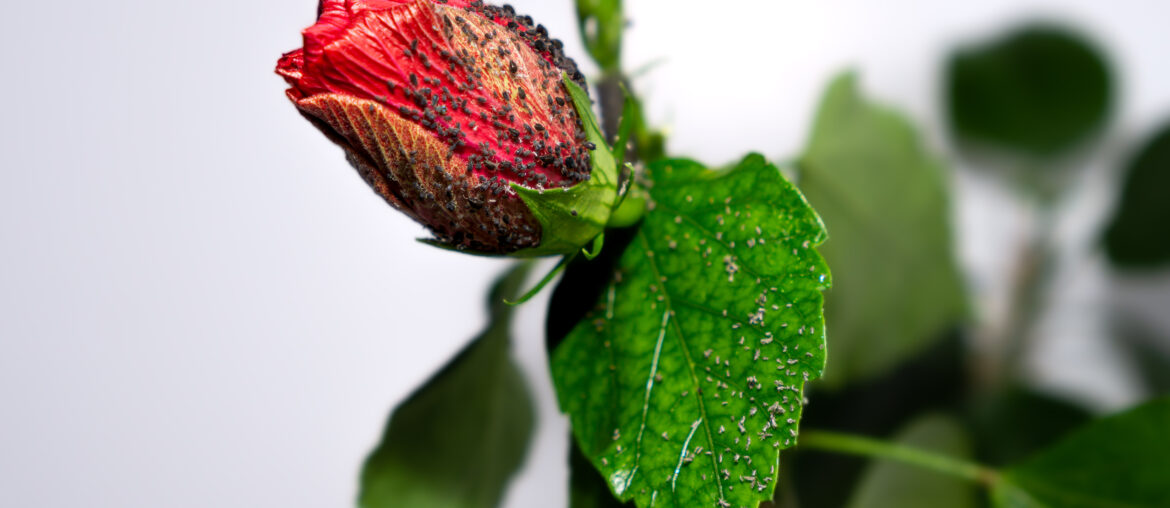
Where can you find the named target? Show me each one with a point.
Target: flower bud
(447, 109)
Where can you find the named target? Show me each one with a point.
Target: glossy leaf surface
(686, 380)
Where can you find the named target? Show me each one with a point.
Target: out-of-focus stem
(1030, 294)
(1008, 344)
(602, 24)
(868, 447)
(611, 97)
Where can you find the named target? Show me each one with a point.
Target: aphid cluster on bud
(455, 102)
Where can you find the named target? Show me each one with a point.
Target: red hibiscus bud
(450, 110)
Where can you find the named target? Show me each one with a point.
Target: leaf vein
(690, 364)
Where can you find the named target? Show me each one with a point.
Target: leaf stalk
(851, 444)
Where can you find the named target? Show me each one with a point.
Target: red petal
(291, 66)
(491, 96)
(440, 106)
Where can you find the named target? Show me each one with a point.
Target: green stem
(602, 23)
(869, 447)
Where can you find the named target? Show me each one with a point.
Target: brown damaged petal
(410, 168)
(441, 108)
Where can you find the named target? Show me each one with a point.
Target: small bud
(443, 107)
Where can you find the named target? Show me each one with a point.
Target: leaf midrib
(690, 363)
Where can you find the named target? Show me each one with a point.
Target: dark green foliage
(457, 441)
(1148, 352)
(1018, 422)
(1139, 234)
(587, 489)
(1036, 91)
(1119, 461)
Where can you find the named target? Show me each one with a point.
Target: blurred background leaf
(457, 441)
(1139, 234)
(1016, 422)
(1147, 350)
(885, 203)
(888, 484)
(1037, 91)
(1121, 460)
(601, 23)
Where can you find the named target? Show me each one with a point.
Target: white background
(201, 305)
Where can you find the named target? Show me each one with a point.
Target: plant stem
(1031, 286)
(610, 100)
(1031, 292)
(868, 447)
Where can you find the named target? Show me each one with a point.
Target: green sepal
(598, 242)
(627, 212)
(630, 209)
(571, 218)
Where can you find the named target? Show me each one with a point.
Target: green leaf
(1119, 461)
(885, 203)
(1007, 495)
(457, 440)
(1037, 91)
(1139, 234)
(896, 485)
(687, 379)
